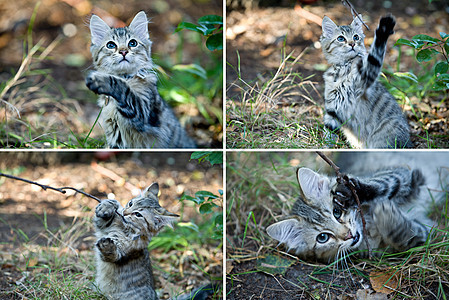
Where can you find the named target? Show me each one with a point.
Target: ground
(261, 189)
(47, 104)
(47, 237)
(271, 104)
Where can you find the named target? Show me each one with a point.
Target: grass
(285, 109)
(36, 111)
(49, 114)
(262, 187)
(58, 269)
(280, 111)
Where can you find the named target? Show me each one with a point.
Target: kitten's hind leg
(396, 229)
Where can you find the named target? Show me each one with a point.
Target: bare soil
(27, 210)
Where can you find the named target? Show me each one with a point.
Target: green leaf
(425, 39)
(444, 35)
(191, 68)
(215, 42)
(440, 86)
(206, 208)
(205, 194)
(404, 42)
(443, 77)
(193, 199)
(441, 68)
(274, 265)
(214, 158)
(219, 219)
(406, 75)
(189, 225)
(189, 26)
(211, 19)
(424, 55)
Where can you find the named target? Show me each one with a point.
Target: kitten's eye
(130, 204)
(337, 213)
(341, 38)
(322, 238)
(137, 214)
(356, 37)
(111, 45)
(132, 43)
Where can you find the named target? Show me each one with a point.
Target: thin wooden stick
(45, 187)
(343, 179)
(354, 13)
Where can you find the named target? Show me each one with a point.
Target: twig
(343, 179)
(354, 13)
(45, 187)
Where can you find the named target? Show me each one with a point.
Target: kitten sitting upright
(355, 101)
(133, 114)
(123, 263)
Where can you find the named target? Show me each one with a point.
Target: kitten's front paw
(107, 248)
(98, 83)
(106, 209)
(386, 26)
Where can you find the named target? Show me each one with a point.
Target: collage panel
(313, 74)
(344, 225)
(111, 225)
(94, 74)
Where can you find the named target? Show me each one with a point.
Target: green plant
(429, 48)
(213, 157)
(210, 26)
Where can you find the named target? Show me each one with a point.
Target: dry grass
(281, 111)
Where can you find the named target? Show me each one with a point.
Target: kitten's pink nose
(123, 52)
(352, 44)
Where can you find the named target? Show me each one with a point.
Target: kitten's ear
(357, 23)
(288, 232)
(139, 25)
(153, 189)
(328, 27)
(163, 217)
(98, 29)
(313, 185)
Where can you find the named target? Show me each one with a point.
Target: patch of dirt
(258, 35)
(71, 59)
(26, 211)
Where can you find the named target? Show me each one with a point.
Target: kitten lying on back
(133, 114)
(395, 201)
(355, 101)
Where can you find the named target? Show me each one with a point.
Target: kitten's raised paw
(96, 82)
(106, 209)
(386, 26)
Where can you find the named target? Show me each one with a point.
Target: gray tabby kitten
(133, 114)
(355, 101)
(123, 263)
(324, 224)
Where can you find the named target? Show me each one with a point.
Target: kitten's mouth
(356, 239)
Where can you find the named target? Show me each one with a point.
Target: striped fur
(396, 196)
(133, 113)
(355, 101)
(123, 263)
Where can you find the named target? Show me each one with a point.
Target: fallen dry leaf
(384, 281)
